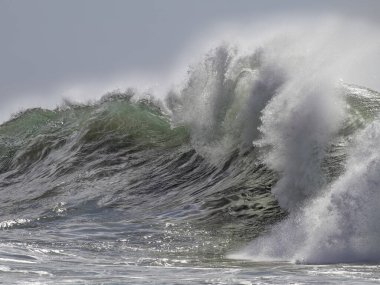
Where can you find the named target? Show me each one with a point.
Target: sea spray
(223, 99)
(298, 126)
(348, 229)
(342, 224)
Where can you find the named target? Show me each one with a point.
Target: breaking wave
(265, 144)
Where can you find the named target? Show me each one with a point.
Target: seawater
(262, 168)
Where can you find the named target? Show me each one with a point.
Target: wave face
(254, 145)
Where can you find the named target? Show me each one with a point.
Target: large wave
(253, 137)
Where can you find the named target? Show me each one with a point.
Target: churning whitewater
(262, 154)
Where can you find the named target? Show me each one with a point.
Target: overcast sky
(48, 46)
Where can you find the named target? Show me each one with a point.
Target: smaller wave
(113, 123)
(13, 223)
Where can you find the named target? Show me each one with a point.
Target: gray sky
(47, 45)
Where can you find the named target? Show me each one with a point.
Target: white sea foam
(340, 226)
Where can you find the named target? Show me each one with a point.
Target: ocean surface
(252, 172)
